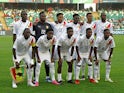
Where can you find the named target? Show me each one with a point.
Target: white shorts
(103, 55)
(46, 56)
(66, 56)
(26, 58)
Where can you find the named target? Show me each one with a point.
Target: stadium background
(10, 11)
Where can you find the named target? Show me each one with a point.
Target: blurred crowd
(113, 16)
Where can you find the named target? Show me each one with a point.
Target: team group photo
(61, 46)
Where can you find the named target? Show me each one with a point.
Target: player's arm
(14, 33)
(95, 54)
(111, 52)
(90, 58)
(77, 50)
(14, 54)
(36, 50)
(53, 48)
(59, 51)
(14, 37)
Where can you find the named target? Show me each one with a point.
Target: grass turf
(117, 74)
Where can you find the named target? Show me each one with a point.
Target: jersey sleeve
(112, 44)
(96, 43)
(15, 44)
(15, 28)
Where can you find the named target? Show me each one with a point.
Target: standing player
(77, 31)
(101, 25)
(40, 29)
(20, 52)
(100, 51)
(64, 44)
(20, 25)
(59, 27)
(44, 44)
(89, 24)
(84, 50)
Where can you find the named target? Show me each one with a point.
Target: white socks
(52, 71)
(90, 71)
(59, 77)
(78, 65)
(29, 74)
(96, 67)
(37, 71)
(108, 69)
(69, 75)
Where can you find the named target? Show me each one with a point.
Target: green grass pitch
(117, 74)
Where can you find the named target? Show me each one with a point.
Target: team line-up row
(73, 42)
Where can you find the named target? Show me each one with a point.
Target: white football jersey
(19, 27)
(76, 29)
(100, 27)
(85, 44)
(102, 44)
(22, 45)
(86, 25)
(59, 29)
(66, 43)
(44, 44)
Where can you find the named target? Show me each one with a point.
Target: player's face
(103, 16)
(76, 19)
(60, 18)
(89, 17)
(24, 16)
(106, 34)
(70, 32)
(89, 33)
(43, 17)
(50, 35)
(27, 33)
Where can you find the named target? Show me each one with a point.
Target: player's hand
(79, 58)
(17, 65)
(96, 62)
(60, 60)
(52, 60)
(90, 58)
(109, 61)
(53, 41)
(38, 60)
(35, 23)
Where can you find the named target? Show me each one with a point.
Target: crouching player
(20, 52)
(64, 44)
(43, 45)
(84, 50)
(100, 51)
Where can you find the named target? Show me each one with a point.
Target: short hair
(26, 30)
(103, 13)
(88, 14)
(23, 11)
(75, 15)
(42, 12)
(58, 14)
(68, 28)
(47, 30)
(105, 30)
(88, 29)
